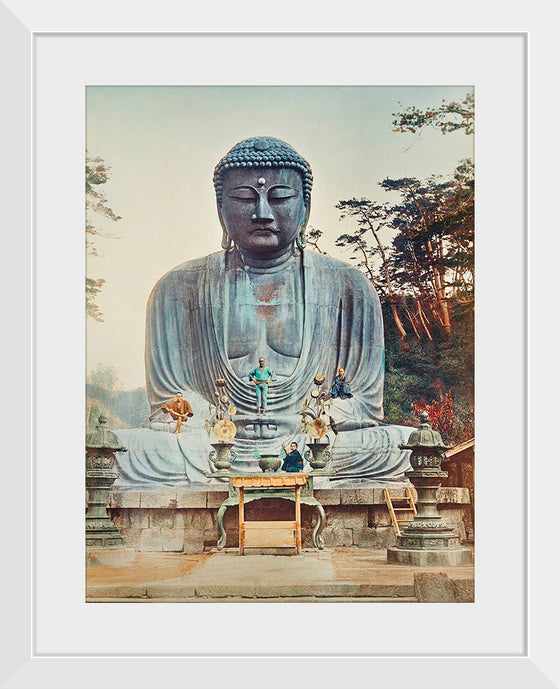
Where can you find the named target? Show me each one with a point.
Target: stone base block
(150, 540)
(449, 557)
(104, 542)
(187, 521)
(438, 587)
(109, 538)
(193, 541)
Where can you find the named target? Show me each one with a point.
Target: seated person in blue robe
(293, 460)
(340, 387)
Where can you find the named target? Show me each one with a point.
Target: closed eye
(278, 200)
(242, 193)
(279, 193)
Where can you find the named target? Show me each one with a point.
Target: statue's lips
(264, 230)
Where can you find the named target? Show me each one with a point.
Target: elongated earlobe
(301, 239)
(227, 243)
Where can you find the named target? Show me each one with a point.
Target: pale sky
(162, 144)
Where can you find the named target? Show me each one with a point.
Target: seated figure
(179, 409)
(293, 461)
(264, 294)
(340, 387)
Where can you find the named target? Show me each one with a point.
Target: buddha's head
(263, 191)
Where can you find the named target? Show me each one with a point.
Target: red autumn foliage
(444, 420)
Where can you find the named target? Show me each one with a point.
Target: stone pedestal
(428, 540)
(452, 557)
(100, 530)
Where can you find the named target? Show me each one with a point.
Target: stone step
(334, 590)
(291, 599)
(342, 574)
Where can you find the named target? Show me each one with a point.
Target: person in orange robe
(179, 409)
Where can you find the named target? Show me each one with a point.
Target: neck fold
(262, 265)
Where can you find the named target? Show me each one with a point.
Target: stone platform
(177, 521)
(446, 557)
(335, 575)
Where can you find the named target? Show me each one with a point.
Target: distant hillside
(127, 409)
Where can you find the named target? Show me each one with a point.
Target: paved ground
(331, 575)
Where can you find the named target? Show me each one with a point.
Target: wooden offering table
(245, 488)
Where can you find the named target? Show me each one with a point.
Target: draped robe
(188, 328)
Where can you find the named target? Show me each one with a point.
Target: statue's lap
(159, 458)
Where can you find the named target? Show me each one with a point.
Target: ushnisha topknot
(264, 152)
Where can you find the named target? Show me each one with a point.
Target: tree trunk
(423, 321)
(439, 288)
(437, 271)
(411, 319)
(398, 321)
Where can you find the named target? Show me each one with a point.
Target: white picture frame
(41, 488)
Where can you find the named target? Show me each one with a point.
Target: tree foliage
(447, 117)
(93, 287)
(105, 377)
(430, 261)
(313, 236)
(432, 253)
(419, 253)
(443, 418)
(97, 208)
(370, 217)
(424, 371)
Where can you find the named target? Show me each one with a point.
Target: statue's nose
(263, 211)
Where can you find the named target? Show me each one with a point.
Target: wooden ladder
(405, 504)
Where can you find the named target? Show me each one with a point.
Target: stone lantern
(428, 540)
(101, 445)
